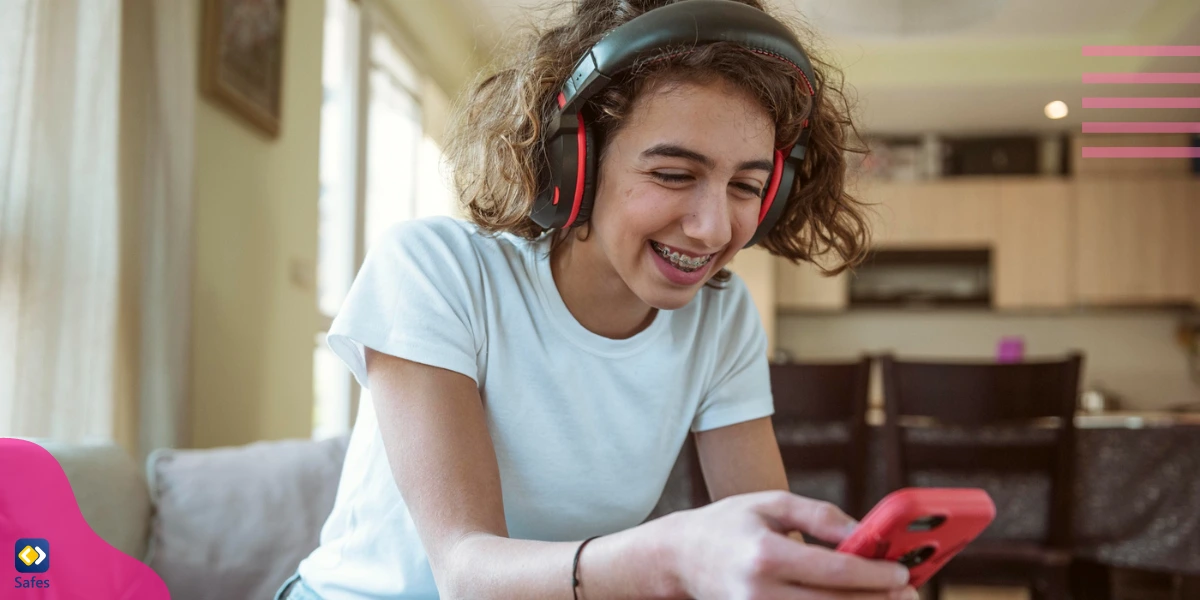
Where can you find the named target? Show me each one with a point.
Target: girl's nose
(709, 220)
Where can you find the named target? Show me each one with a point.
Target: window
(380, 164)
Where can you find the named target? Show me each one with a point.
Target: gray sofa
(221, 523)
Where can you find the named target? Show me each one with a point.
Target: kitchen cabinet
(1135, 241)
(1055, 243)
(945, 214)
(803, 287)
(1195, 207)
(1031, 261)
(756, 267)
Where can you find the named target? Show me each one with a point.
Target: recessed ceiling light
(1056, 109)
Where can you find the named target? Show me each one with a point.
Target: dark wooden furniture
(967, 397)
(817, 394)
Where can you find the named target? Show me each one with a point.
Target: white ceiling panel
(954, 65)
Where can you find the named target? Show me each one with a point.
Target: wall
(1132, 353)
(255, 217)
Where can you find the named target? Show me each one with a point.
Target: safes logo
(33, 555)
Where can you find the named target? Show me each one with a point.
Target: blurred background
(187, 189)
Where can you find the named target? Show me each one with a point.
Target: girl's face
(680, 187)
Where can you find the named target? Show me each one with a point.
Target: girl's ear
(583, 231)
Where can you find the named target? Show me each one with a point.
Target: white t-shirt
(586, 428)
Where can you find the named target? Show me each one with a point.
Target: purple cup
(1010, 350)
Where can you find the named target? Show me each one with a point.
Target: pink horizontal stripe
(1141, 152)
(1141, 50)
(1141, 77)
(1141, 102)
(1141, 127)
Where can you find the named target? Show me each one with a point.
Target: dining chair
(990, 419)
(829, 396)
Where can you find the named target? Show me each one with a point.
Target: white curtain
(163, 32)
(59, 249)
(96, 154)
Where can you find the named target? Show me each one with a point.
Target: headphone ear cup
(589, 174)
(776, 199)
(551, 206)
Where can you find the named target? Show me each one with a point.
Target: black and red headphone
(569, 139)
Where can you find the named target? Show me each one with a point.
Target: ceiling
(958, 66)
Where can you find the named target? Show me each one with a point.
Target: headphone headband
(687, 23)
(682, 24)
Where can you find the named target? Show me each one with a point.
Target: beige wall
(254, 304)
(1132, 353)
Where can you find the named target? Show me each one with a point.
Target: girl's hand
(739, 548)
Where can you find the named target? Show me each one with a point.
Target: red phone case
(885, 532)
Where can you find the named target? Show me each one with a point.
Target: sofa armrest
(111, 492)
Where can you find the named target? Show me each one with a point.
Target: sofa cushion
(110, 490)
(235, 522)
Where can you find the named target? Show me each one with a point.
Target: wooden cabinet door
(1191, 193)
(952, 214)
(1135, 241)
(756, 267)
(1032, 257)
(1194, 207)
(804, 287)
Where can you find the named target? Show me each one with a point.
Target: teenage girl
(535, 368)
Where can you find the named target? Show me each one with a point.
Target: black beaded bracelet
(575, 567)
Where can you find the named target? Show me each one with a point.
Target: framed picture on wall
(241, 59)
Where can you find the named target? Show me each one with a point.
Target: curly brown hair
(498, 160)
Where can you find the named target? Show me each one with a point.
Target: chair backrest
(826, 393)
(815, 392)
(1028, 407)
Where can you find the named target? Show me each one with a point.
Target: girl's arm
(741, 458)
(442, 458)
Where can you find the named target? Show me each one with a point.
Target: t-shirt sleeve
(741, 389)
(413, 299)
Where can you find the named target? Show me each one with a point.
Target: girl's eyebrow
(674, 151)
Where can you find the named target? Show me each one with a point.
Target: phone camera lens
(928, 523)
(917, 556)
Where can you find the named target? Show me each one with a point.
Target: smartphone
(921, 528)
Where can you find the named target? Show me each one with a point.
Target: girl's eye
(671, 177)
(680, 178)
(753, 189)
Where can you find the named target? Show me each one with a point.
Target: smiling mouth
(683, 262)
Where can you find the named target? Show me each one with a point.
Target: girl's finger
(814, 566)
(815, 517)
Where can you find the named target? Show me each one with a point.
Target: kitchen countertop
(1137, 419)
(1124, 419)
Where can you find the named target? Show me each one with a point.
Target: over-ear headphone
(569, 138)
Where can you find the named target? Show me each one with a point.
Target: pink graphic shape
(1141, 127)
(36, 501)
(1141, 50)
(1141, 152)
(1141, 77)
(1141, 102)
